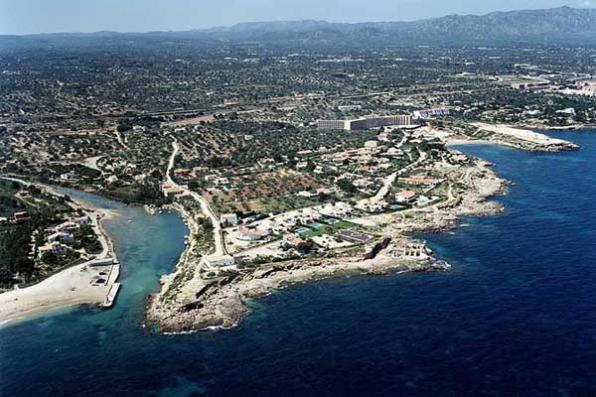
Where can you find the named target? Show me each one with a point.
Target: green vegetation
(124, 127)
(20, 261)
(347, 186)
(320, 229)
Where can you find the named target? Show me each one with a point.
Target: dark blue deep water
(515, 317)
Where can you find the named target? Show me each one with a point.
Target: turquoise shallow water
(516, 316)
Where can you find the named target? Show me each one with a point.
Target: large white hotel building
(364, 123)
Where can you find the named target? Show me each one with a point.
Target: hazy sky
(37, 16)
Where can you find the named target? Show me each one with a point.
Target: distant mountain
(563, 26)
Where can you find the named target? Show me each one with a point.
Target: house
(222, 181)
(459, 158)
(371, 144)
(66, 227)
(306, 194)
(60, 237)
(423, 201)
(21, 216)
(54, 247)
(139, 177)
(219, 261)
(394, 152)
(246, 234)
(83, 220)
(567, 111)
(182, 172)
(228, 220)
(292, 240)
(405, 196)
(337, 210)
(372, 206)
(307, 215)
(170, 189)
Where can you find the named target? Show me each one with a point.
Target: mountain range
(564, 26)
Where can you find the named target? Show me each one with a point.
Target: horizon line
(232, 25)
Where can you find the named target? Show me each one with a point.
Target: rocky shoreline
(221, 303)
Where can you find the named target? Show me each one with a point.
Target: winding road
(220, 248)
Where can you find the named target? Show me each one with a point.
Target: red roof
(20, 215)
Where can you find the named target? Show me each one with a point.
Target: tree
(347, 186)
(124, 127)
(50, 258)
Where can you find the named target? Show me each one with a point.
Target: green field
(320, 228)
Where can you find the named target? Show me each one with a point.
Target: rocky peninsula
(198, 298)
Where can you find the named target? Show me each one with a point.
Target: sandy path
(204, 204)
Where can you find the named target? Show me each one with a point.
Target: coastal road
(220, 248)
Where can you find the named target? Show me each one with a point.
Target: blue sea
(515, 317)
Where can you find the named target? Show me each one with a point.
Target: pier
(114, 285)
(111, 296)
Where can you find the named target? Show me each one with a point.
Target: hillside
(563, 26)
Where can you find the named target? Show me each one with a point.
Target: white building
(54, 247)
(331, 125)
(429, 113)
(60, 237)
(219, 261)
(405, 196)
(365, 123)
(349, 108)
(371, 144)
(228, 220)
(246, 234)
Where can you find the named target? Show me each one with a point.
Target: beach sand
(73, 286)
(522, 134)
(69, 287)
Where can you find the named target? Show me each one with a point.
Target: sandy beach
(540, 141)
(453, 141)
(72, 286)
